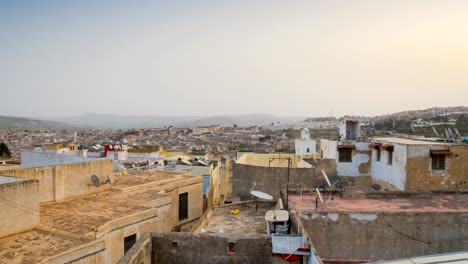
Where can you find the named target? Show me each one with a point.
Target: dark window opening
(390, 157)
(344, 155)
(232, 247)
(308, 150)
(438, 161)
(183, 206)
(175, 244)
(377, 154)
(129, 241)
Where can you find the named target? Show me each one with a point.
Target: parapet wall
(67, 181)
(269, 179)
(383, 236)
(19, 206)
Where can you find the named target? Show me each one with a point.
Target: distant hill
(125, 121)
(230, 120)
(21, 123)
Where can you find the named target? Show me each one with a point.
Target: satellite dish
(326, 178)
(261, 195)
(95, 181)
(318, 194)
(110, 146)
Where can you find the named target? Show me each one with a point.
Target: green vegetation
(4, 151)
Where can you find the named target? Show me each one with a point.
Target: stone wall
(384, 236)
(184, 248)
(269, 179)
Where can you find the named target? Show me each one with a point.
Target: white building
(305, 145)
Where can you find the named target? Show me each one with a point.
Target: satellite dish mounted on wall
(95, 181)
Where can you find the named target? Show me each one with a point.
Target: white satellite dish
(99, 146)
(261, 195)
(326, 178)
(319, 195)
(110, 146)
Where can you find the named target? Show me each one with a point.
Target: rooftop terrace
(248, 222)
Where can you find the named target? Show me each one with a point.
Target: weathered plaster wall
(190, 248)
(360, 164)
(19, 207)
(384, 236)
(61, 182)
(422, 177)
(394, 173)
(269, 179)
(41, 159)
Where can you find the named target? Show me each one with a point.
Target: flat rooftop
(420, 203)
(136, 178)
(409, 141)
(9, 179)
(65, 225)
(248, 222)
(33, 246)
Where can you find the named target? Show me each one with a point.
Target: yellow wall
(277, 160)
(19, 207)
(421, 177)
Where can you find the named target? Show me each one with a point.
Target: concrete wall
(40, 159)
(361, 162)
(395, 174)
(61, 182)
(184, 248)
(384, 236)
(269, 179)
(421, 177)
(19, 206)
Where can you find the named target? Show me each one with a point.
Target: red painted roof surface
(426, 203)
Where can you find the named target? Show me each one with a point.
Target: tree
(4, 151)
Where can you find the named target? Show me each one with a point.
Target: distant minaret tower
(75, 136)
(305, 133)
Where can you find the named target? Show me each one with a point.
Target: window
(129, 241)
(344, 155)
(377, 154)
(232, 247)
(183, 206)
(308, 150)
(438, 161)
(390, 157)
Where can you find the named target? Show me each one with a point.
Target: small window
(232, 247)
(377, 154)
(438, 162)
(183, 206)
(344, 155)
(129, 241)
(390, 157)
(308, 150)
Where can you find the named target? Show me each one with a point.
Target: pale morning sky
(63, 58)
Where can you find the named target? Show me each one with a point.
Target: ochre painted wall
(422, 177)
(19, 207)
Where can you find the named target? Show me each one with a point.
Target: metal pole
(287, 185)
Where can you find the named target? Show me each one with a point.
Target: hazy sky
(60, 58)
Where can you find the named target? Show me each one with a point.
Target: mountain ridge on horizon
(119, 121)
